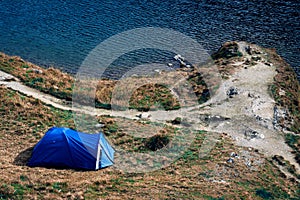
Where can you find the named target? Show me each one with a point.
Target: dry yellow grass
(24, 121)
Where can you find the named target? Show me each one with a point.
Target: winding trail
(251, 110)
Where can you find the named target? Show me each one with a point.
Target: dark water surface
(61, 33)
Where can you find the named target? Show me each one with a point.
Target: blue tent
(66, 148)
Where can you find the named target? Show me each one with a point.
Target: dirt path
(247, 115)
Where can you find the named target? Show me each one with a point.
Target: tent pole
(98, 155)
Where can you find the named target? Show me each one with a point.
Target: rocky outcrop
(228, 50)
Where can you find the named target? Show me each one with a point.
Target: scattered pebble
(38, 71)
(99, 125)
(230, 160)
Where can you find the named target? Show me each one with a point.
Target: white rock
(179, 57)
(262, 136)
(37, 71)
(143, 116)
(99, 125)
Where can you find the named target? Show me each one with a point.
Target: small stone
(232, 91)
(247, 62)
(268, 64)
(233, 154)
(281, 92)
(178, 57)
(37, 71)
(250, 95)
(251, 134)
(230, 160)
(248, 164)
(261, 136)
(143, 116)
(248, 50)
(256, 58)
(99, 125)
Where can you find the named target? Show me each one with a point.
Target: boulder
(232, 91)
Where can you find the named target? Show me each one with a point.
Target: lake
(61, 33)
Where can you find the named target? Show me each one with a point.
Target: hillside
(254, 114)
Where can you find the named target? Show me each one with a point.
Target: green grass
(59, 187)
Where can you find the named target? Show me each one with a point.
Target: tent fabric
(66, 148)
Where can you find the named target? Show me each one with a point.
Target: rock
(256, 58)
(38, 71)
(232, 91)
(215, 118)
(143, 116)
(248, 50)
(177, 120)
(181, 59)
(281, 92)
(250, 95)
(247, 62)
(178, 57)
(230, 160)
(157, 71)
(279, 160)
(8, 78)
(261, 136)
(99, 125)
(234, 155)
(183, 64)
(248, 164)
(252, 134)
(268, 64)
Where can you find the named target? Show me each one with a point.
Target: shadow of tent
(23, 157)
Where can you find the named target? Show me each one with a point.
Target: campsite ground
(254, 174)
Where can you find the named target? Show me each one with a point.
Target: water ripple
(61, 33)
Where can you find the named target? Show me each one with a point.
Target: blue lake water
(61, 33)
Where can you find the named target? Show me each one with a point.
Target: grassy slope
(60, 85)
(187, 178)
